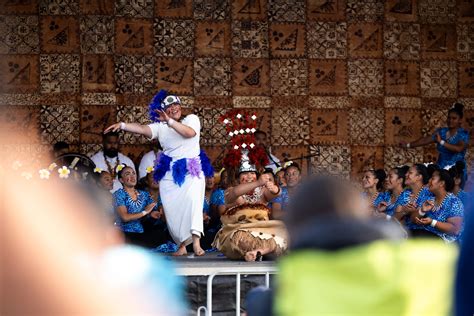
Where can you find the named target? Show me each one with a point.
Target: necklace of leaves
(437, 207)
(111, 169)
(415, 198)
(374, 197)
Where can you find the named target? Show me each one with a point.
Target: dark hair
(457, 108)
(380, 175)
(457, 172)
(432, 167)
(423, 171)
(259, 131)
(110, 134)
(446, 177)
(401, 173)
(119, 173)
(60, 145)
(268, 170)
(293, 164)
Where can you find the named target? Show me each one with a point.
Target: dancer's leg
(198, 251)
(181, 250)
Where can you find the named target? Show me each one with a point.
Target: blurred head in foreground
(64, 259)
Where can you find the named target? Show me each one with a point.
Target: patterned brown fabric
(344, 80)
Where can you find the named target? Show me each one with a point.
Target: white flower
(52, 166)
(247, 130)
(27, 175)
(242, 131)
(64, 172)
(97, 170)
(149, 169)
(226, 121)
(252, 145)
(253, 130)
(44, 174)
(16, 165)
(253, 117)
(231, 134)
(244, 145)
(236, 132)
(119, 168)
(236, 147)
(239, 116)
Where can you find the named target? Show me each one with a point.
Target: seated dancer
(396, 196)
(443, 216)
(180, 170)
(457, 173)
(247, 233)
(132, 206)
(416, 179)
(373, 184)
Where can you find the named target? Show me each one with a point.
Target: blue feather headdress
(156, 104)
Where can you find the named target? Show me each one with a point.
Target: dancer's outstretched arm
(144, 130)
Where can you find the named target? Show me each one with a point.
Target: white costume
(148, 160)
(183, 204)
(99, 161)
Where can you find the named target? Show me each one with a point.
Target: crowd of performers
(176, 201)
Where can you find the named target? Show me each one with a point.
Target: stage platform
(217, 285)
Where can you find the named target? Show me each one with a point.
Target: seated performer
(247, 233)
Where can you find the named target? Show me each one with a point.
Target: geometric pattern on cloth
(294, 131)
(19, 35)
(367, 126)
(334, 160)
(59, 123)
(327, 39)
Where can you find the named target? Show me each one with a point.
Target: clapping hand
(382, 207)
(409, 208)
(423, 221)
(150, 207)
(427, 206)
(206, 218)
(156, 214)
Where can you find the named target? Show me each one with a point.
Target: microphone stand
(308, 160)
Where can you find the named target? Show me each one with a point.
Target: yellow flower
(287, 164)
(97, 170)
(44, 174)
(64, 172)
(119, 168)
(52, 166)
(149, 169)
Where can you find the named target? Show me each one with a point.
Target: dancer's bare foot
(198, 251)
(180, 252)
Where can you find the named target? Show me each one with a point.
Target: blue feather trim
(179, 171)
(206, 165)
(156, 105)
(162, 166)
(180, 168)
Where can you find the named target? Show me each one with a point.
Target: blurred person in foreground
(342, 261)
(71, 262)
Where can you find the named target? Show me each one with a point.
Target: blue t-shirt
(121, 198)
(283, 199)
(446, 156)
(402, 199)
(425, 195)
(450, 207)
